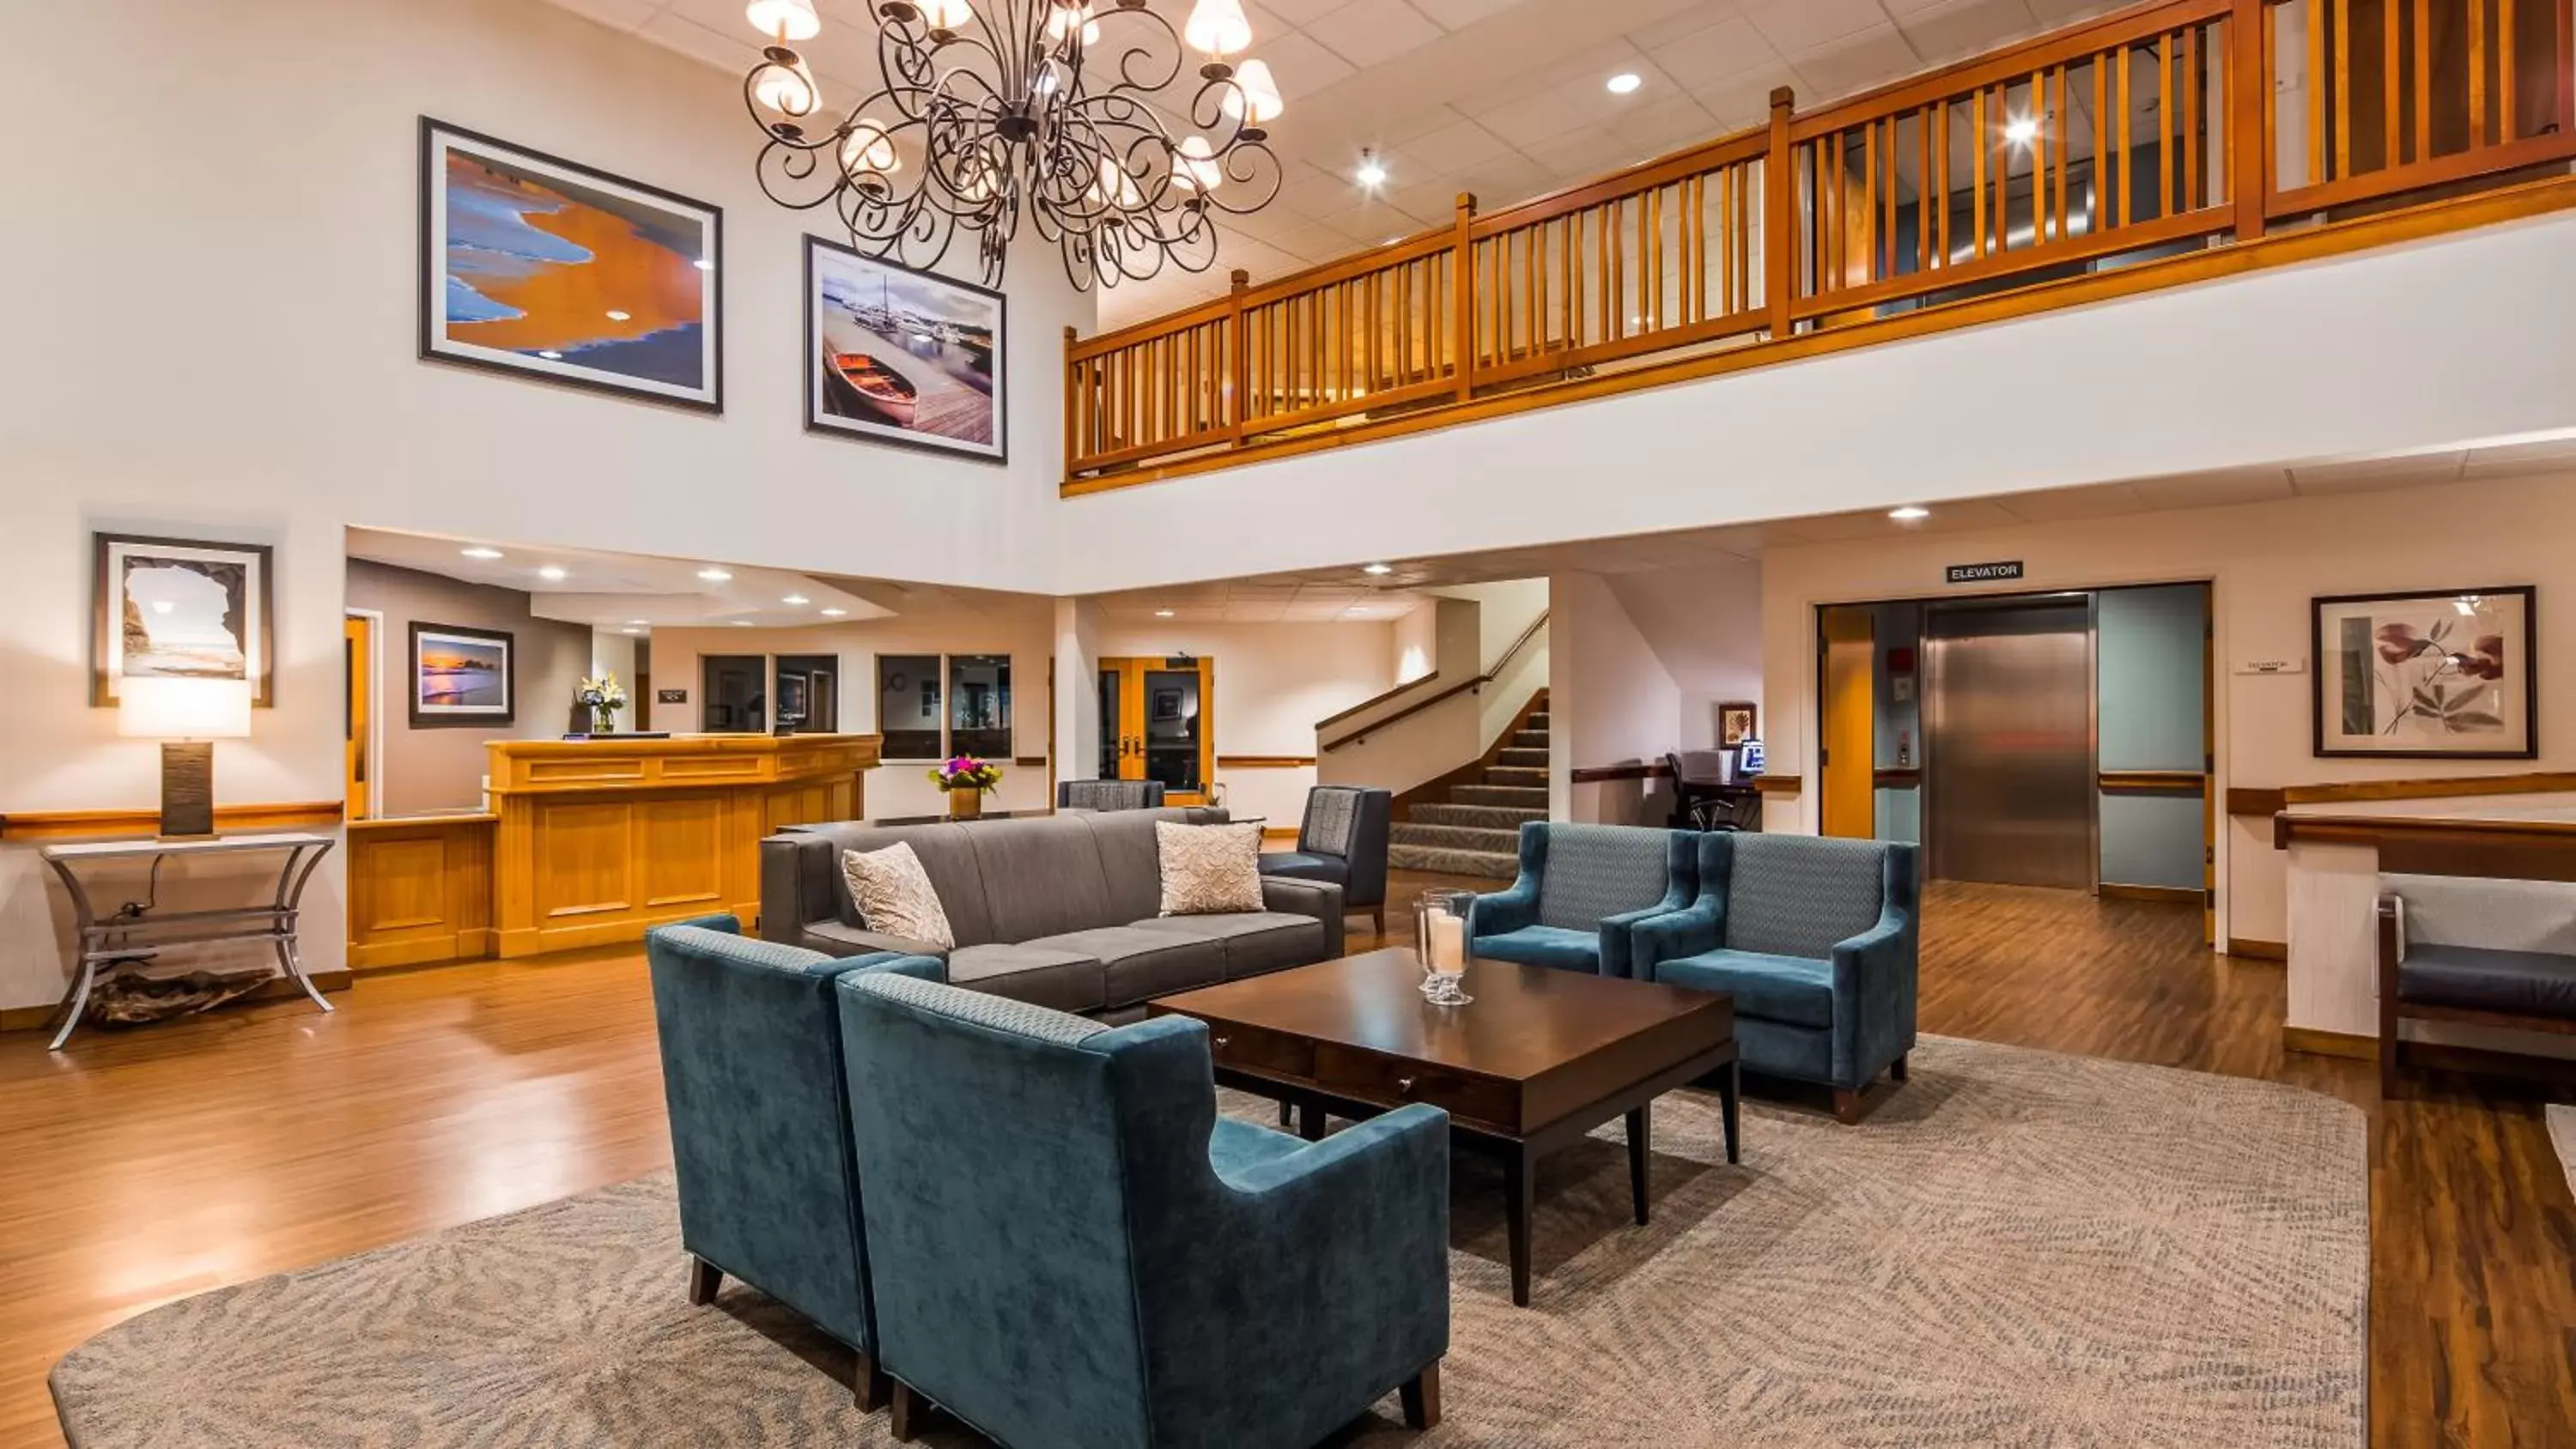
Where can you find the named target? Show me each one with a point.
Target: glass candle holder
(1440, 939)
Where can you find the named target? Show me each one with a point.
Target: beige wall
(441, 767)
(2264, 561)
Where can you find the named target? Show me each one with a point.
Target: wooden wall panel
(420, 891)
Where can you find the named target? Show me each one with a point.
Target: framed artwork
(2442, 674)
(461, 676)
(178, 608)
(901, 356)
(535, 265)
(1167, 705)
(1735, 721)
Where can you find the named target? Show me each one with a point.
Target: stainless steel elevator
(2008, 740)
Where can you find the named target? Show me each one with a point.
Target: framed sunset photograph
(461, 675)
(2445, 674)
(899, 356)
(172, 608)
(536, 265)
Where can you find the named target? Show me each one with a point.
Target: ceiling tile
(2376, 473)
(1294, 12)
(1855, 63)
(1369, 32)
(2059, 505)
(1795, 25)
(2213, 489)
(1301, 67)
(1455, 147)
(1730, 48)
(617, 14)
(1459, 14)
(1533, 119)
(1947, 30)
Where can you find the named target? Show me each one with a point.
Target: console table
(139, 930)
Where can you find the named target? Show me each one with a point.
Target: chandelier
(992, 112)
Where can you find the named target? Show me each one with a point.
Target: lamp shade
(1217, 27)
(1253, 88)
(183, 709)
(784, 20)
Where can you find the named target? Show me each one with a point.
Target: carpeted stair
(1477, 830)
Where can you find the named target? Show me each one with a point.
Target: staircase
(1476, 829)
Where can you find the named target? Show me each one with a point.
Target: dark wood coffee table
(1538, 1059)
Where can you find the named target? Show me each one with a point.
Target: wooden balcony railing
(2168, 127)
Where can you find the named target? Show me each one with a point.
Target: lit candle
(1448, 944)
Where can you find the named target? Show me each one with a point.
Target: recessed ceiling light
(1909, 513)
(714, 576)
(1162, 613)
(704, 264)
(639, 621)
(630, 629)
(1370, 173)
(1390, 241)
(1624, 82)
(616, 316)
(552, 573)
(2022, 130)
(834, 613)
(1377, 570)
(796, 599)
(742, 623)
(479, 551)
(551, 355)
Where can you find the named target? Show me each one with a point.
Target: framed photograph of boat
(461, 676)
(901, 356)
(178, 608)
(536, 265)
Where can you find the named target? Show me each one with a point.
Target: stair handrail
(1491, 673)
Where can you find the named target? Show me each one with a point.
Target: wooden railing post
(1238, 354)
(1780, 219)
(1462, 250)
(1073, 398)
(2249, 87)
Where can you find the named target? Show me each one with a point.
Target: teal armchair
(760, 1140)
(1816, 940)
(1072, 1250)
(1581, 893)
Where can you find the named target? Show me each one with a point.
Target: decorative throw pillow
(1209, 869)
(894, 895)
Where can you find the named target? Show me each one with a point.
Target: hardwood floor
(141, 1167)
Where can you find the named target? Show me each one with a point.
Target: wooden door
(358, 653)
(1849, 766)
(1164, 726)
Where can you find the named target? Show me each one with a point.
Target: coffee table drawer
(1250, 1049)
(1374, 1078)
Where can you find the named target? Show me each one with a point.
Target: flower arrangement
(603, 697)
(967, 773)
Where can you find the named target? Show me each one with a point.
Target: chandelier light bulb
(947, 14)
(869, 148)
(784, 20)
(1196, 166)
(1063, 19)
(787, 87)
(1115, 182)
(1257, 91)
(1218, 28)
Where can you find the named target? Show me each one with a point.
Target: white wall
(1610, 701)
(1504, 611)
(246, 196)
(1704, 625)
(2264, 561)
(1273, 681)
(2462, 338)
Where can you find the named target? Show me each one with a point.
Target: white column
(1077, 689)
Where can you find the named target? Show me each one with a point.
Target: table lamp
(187, 716)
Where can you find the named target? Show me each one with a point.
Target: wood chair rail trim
(100, 824)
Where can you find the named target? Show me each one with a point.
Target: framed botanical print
(2442, 674)
(901, 356)
(536, 265)
(169, 607)
(1735, 720)
(461, 676)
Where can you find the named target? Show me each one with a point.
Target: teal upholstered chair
(1582, 889)
(1071, 1250)
(1815, 939)
(760, 1139)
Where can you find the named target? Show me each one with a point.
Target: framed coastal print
(535, 265)
(461, 675)
(175, 608)
(901, 356)
(2444, 674)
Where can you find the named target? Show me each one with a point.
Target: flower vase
(603, 720)
(965, 802)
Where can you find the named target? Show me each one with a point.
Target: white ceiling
(1257, 601)
(1502, 98)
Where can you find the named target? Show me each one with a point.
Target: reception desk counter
(596, 840)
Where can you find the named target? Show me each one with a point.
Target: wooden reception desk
(596, 840)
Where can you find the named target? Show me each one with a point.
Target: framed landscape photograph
(901, 356)
(176, 608)
(2443, 674)
(461, 675)
(535, 265)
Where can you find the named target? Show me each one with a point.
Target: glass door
(1155, 724)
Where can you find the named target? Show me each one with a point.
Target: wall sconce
(187, 716)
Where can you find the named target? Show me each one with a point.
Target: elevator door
(2008, 773)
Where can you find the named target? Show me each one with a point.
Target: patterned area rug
(2019, 1249)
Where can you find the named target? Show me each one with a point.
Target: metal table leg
(76, 999)
(290, 898)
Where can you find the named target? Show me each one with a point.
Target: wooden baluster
(1977, 150)
(2566, 72)
(1531, 292)
(2392, 89)
(2164, 126)
(1780, 219)
(2065, 149)
(1463, 299)
(2191, 87)
(2039, 154)
(2317, 81)
(2507, 62)
(2126, 158)
(2424, 80)
(2342, 87)
(2002, 169)
(2477, 73)
(2249, 111)
(1941, 167)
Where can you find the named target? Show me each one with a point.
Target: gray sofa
(1059, 911)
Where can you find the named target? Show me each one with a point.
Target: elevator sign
(1984, 573)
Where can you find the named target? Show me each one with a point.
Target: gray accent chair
(1815, 938)
(760, 1138)
(1342, 840)
(1074, 1251)
(1581, 892)
(1108, 794)
(1057, 910)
